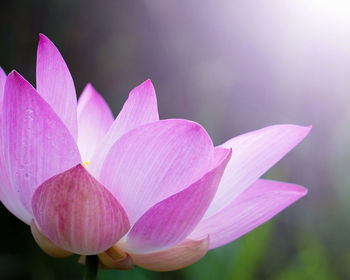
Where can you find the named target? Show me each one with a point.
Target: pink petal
(182, 255)
(36, 144)
(154, 161)
(94, 120)
(8, 195)
(55, 84)
(140, 108)
(256, 205)
(79, 214)
(169, 222)
(252, 155)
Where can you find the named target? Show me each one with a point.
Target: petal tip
(307, 128)
(14, 74)
(149, 85)
(303, 130)
(89, 85)
(301, 191)
(43, 39)
(148, 82)
(293, 190)
(90, 89)
(145, 88)
(79, 167)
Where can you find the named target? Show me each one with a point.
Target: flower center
(85, 164)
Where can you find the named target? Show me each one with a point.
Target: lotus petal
(55, 84)
(169, 222)
(8, 195)
(155, 161)
(252, 155)
(256, 205)
(140, 108)
(79, 214)
(94, 120)
(36, 144)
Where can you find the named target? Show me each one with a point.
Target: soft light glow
(327, 10)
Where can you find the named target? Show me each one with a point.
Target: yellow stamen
(85, 163)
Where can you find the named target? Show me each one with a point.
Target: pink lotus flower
(134, 190)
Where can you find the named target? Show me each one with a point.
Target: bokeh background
(233, 66)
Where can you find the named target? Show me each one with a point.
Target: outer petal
(7, 195)
(36, 144)
(139, 109)
(55, 84)
(169, 222)
(259, 203)
(252, 155)
(94, 120)
(182, 255)
(154, 161)
(79, 214)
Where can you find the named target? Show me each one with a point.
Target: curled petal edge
(184, 254)
(45, 243)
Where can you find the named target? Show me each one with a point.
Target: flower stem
(91, 267)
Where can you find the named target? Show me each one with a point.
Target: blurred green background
(233, 66)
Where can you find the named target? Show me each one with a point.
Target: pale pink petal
(10, 198)
(55, 84)
(94, 120)
(36, 144)
(256, 205)
(140, 108)
(252, 155)
(154, 161)
(169, 222)
(177, 257)
(79, 214)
